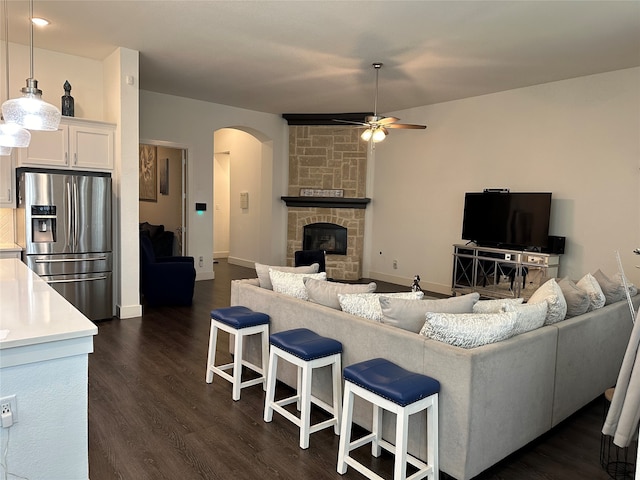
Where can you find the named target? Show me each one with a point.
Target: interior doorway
(162, 202)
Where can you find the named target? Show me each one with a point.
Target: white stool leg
(237, 366)
(211, 357)
(304, 396)
(336, 374)
(299, 387)
(345, 429)
(376, 429)
(402, 435)
(264, 336)
(432, 437)
(271, 387)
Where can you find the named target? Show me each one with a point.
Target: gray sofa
(494, 399)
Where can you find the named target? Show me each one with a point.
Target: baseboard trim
(128, 311)
(428, 286)
(241, 262)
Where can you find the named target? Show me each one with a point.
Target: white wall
(191, 123)
(221, 201)
(245, 175)
(579, 139)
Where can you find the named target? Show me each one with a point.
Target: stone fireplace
(328, 157)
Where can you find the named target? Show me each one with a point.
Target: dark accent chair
(165, 280)
(161, 240)
(308, 257)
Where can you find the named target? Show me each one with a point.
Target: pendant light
(11, 134)
(30, 111)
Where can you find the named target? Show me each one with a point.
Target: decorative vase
(67, 100)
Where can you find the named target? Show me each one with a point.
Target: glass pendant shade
(5, 151)
(30, 111)
(366, 135)
(379, 134)
(13, 135)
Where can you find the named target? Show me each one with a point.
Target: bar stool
(390, 387)
(306, 350)
(240, 322)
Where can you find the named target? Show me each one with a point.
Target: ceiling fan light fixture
(366, 135)
(379, 134)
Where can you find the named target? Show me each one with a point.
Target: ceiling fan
(377, 126)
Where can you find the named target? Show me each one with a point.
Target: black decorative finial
(67, 100)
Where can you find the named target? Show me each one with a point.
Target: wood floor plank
(152, 415)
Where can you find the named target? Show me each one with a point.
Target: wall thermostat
(201, 207)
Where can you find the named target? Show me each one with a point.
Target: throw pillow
(495, 306)
(292, 284)
(528, 316)
(326, 293)
(576, 298)
(469, 330)
(613, 291)
(557, 305)
(367, 305)
(590, 285)
(633, 290)
(265, 280)
(410, 315)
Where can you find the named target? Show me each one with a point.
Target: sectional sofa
(494, 399)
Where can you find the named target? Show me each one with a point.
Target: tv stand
(499, 272)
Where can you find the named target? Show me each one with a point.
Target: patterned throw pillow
(326, 293)
(590, 285)
(367, 305)
(292, 284)
(495, 306)
(265, 279)
(469, 330)
(557, 306)
(529, 316)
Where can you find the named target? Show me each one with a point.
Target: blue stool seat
(239, 317)
(305, 344)
(391, 381)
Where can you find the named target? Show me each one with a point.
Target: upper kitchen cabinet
(7, 182)
(77, 144)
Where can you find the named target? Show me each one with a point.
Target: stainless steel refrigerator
(64, 226)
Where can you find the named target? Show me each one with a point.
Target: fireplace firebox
(329, 237)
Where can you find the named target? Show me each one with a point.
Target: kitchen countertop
(10, 247)
(36, 322)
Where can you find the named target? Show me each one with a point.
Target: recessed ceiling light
(41, 22)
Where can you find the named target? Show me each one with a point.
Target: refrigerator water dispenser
(43, 223)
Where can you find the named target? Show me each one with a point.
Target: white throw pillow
(469, 330)
(590, 285)
(263, 272)
(529, 316)
(557, 306)
(367, 305)
(410, 315)
(326, 293)
(292, 284)
(495, 306)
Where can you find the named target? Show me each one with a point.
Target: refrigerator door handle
(75, 215)
(63, 260)
(67, 189)
(77, 280)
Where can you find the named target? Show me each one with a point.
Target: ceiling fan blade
(350, 122)
(406, 126)
(387, 120)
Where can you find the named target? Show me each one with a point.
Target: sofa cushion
(495, 306)
(613, 291)
(590, 285)
(576, 298)
(367, 305)
(326, 293)
(411, 315)
(633, 290)
(469, 330)
(557, 306)
(265, 280)
(528, 316)
(292, 284)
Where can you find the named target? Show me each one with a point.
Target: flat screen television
(507, 220)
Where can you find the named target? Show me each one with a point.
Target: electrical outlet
(9, 404)
(201, 261)
(395, 264)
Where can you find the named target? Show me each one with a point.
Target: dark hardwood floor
(153, 416)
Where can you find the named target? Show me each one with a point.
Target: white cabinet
(77, 144)
(7, 182)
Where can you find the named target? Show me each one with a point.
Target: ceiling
(315, 56)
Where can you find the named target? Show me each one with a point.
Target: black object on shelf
(67, 100)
